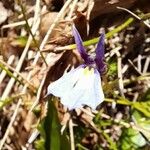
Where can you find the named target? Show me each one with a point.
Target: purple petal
(79, 44)
(99, 60)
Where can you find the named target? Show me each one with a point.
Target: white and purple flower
(82, 86)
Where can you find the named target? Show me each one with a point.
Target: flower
(82, 86)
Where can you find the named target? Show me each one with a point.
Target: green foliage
(51, 138)
(143, 123)
(112, 68)
(143, 107)
(132, 139)
(111, 76)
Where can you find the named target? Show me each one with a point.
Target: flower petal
(99, 94)
(99, 60)
(79, 44)
(87, 91)
(62, 86)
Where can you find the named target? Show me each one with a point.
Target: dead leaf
(46, 21)
(81, 24)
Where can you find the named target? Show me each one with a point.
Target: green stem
(108, 35)
(29, 30)
(9, 73)
(121, 102)
(95, 40)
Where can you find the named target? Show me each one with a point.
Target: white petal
(99, 94)
(88, 91)
(78, 87)
(63, 85)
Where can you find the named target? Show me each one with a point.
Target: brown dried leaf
(46, 21)
(81, 24)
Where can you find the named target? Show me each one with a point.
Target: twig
(87, 112)
(112, 52)
(89, 9)
(121, 86)
(139, 78)
(133, 14)
(8, 147)
(30, 31)
(71, 134)
(33, 136)
(136, 95)
(134, 66)
(146, 65)
(15, 24)
(30, 10)
(26, 81)
(60, 14)
(125, 67)
(139, 66)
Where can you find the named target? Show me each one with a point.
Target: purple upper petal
(99, 59)
(80, 46)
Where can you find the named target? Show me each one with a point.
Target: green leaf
(142, 122)
(50, 131)
(52, 128)
(143, 107)
(131, 140)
